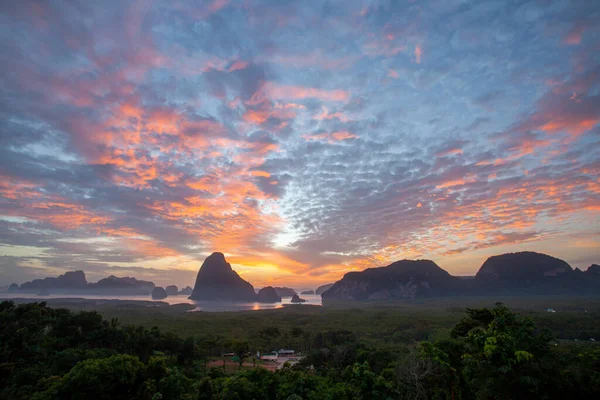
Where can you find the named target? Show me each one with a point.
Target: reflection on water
(213, 306)
(179, 299)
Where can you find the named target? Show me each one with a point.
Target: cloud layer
(302, 139)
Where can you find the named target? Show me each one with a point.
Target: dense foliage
(49, 353)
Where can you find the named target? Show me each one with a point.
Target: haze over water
(208, 306)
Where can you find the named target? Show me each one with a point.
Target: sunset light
(303, 140)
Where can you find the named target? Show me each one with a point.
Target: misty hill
(532, 273)
(323, 288)
(187, 291)
(523, 267)
(216, 280)
(75, 282)
(120, 286)
(404, 279)
(285, 291)
(69, 281)
(172, 290)
(159, 293)
(523, 273)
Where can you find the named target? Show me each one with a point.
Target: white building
(269, 356)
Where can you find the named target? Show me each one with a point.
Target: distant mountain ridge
(525, 266)
(533, 273)
(405, 279)
(285, 291)
(523, 273)
(125, 285)
(75, 282)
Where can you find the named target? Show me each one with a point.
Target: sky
(303, 139)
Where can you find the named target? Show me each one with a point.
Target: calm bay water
(200, 305)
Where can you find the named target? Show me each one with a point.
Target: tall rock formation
(216, 280)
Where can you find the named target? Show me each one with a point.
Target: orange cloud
(342, 135)
(260, 173)
(574, 126)
(301, 92)
(326, 115)
(569, 107)
(209, 184)
(452, 183)
(14, 189)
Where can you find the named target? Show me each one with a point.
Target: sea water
(311, 299)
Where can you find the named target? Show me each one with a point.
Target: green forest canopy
(492, 353)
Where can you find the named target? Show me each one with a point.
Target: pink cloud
(574, 35)
(237, 65)
(418, 54)
(333, 137)
(449, 152)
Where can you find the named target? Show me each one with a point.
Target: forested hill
(490, 354)
(521, 273)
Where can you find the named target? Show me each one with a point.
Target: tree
(116, 377)
(418, 374)
(240, 349)
(365, 384)
(499, 354)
